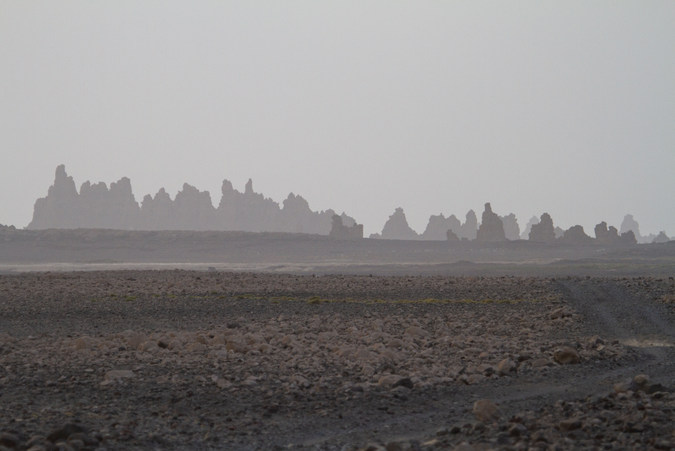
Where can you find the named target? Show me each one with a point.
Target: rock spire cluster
(97, 206)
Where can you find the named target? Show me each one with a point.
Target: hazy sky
(362, 106)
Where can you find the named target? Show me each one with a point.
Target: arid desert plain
(176, 359)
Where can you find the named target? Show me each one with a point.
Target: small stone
(570, 424)
(540, 363)
(113, 376)
(485, 410)
(415, 331)
(64, 432)
(81, 343)
(641, 381)
(565, 355)
(9, 440)
(517, 430)
(505, 367)
(404, 382)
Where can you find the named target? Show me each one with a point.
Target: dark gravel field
(221, 360)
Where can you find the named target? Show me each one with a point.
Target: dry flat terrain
(221, 360)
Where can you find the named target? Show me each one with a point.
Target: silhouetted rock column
(511, 227)
(576, 235)
(60, 208)
(397, 228)
(526, 233)
(629, 223)
(340, 231)
(543, 232)
(438, 227)
(491, 227)
(470, 227)
(605, 235)
(661, 238)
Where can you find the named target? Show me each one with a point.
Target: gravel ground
(210, 360)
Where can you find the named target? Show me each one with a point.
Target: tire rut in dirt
(610, 310)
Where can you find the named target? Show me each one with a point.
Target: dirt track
(179, 359)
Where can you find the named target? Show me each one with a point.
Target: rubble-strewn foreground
(178, 359)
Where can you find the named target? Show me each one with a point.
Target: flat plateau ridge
(23, 250)
(181, 359)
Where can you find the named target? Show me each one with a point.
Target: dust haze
(337, 225)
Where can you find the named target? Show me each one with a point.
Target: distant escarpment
(96, 206)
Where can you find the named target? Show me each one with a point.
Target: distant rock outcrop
(610, 235)
(451, 236)
(629, 223)
(397, 228)
(661, 238)
(628, 238)
(345, 232)
(469, 229)
(576, 235)
(526, 233)
(543, 231)
(96, 206)
(604, 235)
(511, 227)
(438, 226)
(60, 209)
(491, 228)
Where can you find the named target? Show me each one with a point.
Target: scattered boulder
(114, 376)
(485, 410)
(505, 367)
(565, 355)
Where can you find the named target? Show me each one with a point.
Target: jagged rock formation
(96, 206)
(629, 223)
(60, 208)
(511, 227)
(397, 228)
(559, 232)
(345, 232)
(661, 238)
(610, 235)
(543, 231)
(451, 236)
(576, 235)
(469, 229)
(526, 233)
(603, 235)
(438, 226)
(628, 238)
(491, 228)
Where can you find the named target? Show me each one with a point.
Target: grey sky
(362, 106)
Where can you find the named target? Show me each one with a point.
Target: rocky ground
(211, 360)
